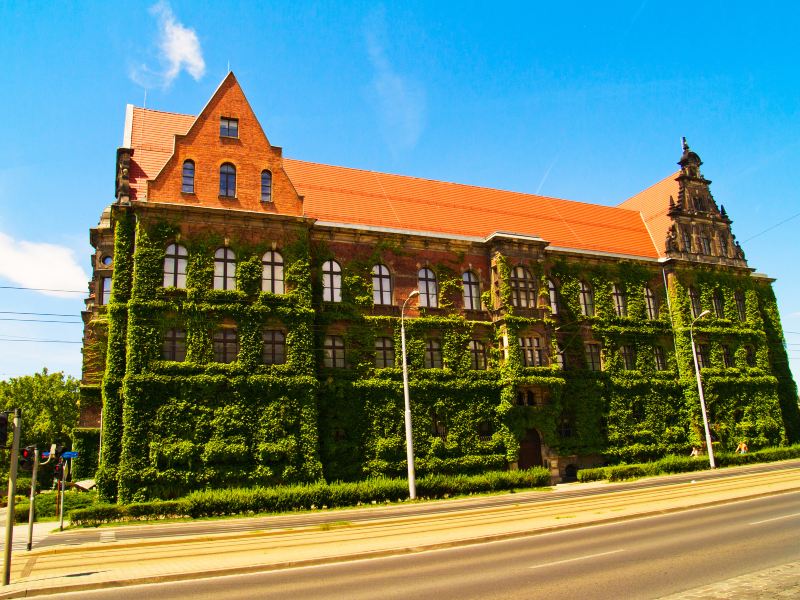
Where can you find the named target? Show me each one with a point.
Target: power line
(39, 340)
(40, 321)
(771, 228)
(14, 312)
(13, 287)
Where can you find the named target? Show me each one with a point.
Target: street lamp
(412, 484)
(700, 390)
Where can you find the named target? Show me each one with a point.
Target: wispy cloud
(179, 49)
(400, 101)
(41, 265)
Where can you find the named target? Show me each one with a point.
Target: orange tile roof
(153, 140)
(653, 204)
(352, 196)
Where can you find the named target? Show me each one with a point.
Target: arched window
(620, 301)
(472, 291)
(175, 266)
(266, 186)
(552, 293)
(651, 303)
(587, 299)
(331, 281)
(428, 291)
(187, 177)
(227, 181)
(523, 288)
(381, 285)
(224, 269)
(272, 272)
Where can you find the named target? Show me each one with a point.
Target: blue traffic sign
(69, 455)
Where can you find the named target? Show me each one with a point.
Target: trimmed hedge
(45, 505)
(686, 464)
(237, 501)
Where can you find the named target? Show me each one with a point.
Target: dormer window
(228, 127)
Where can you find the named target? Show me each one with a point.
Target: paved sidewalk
(777, 583)
(59, 569)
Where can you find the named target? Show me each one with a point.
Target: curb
(206, 574)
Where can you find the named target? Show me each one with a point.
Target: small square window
(228, 127)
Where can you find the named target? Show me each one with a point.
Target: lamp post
(412, 484)
(700, 390)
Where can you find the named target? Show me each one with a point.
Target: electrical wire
(13, 287)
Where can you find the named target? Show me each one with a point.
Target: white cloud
(400, 100)
(41, 265)
(179, 49)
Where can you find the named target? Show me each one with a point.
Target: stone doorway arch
(530, 450)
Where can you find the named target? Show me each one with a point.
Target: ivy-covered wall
(170, 427)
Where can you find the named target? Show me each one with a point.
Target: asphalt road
(368, 514)
(647, 557)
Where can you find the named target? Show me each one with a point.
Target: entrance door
(530, 450)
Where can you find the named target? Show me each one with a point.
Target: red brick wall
(250, 153)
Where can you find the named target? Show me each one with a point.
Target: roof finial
(684, 145)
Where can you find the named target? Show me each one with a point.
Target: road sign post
(12, 490)
(31, 509)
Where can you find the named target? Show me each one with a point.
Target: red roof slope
(153, 140)
(357, 197)
(653, 204)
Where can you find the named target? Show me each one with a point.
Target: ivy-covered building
(243, 320)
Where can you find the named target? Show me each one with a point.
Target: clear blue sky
(582, 100)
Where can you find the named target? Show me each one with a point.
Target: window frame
(176, 259)
(532, 351)
(174, 345)
(273, 347)
(331, 281)
(433, 354)
(628, 354)
(477, 350)
(384, 352)
(104, 290)
(741, 305)
(272, 272)
(334, 354)
(229, 127)
(523, 287)
(470, 291)
(718, 304)
(266, 186)
(694, 302)
(428, 288)
(687, 239)
(381, 285)
(620, 300)
(659, 356)
(651, 303)
(187, 180)
(703, 355)
(225, 341)
(227, 279)
(552, 293)
(727, 357)
(592, 351)
(586, 297)
(227, 180)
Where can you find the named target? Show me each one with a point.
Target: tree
(49, 403)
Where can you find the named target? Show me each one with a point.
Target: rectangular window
(661, 362)
(274, 350)
(384, 352)
(593, 357)
(433, 354)
(703, 360)
(727, 357)
(334, 352)
(532, 351)
(705, 244)
(228, 127)
(105, 290)
(750, 356)
(226, 345)
(628, 357)
(687, 239)
(478, 352)
(174, 345)
(741, 307)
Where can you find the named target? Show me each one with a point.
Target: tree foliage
(49, 403)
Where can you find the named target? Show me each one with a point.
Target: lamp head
(703, 314)
(416, 293)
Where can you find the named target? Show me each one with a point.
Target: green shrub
(45, 505)
(596, 474)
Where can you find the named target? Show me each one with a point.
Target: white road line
(775, 519)
(559, 562)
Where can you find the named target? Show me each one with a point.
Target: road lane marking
(775, 519)
(559, 562)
